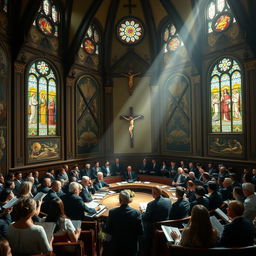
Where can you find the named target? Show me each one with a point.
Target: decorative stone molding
(19, 67)
(70, 81)
(195, 79)
(108, 89)
(250, 65)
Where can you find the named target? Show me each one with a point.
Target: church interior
(120, 81)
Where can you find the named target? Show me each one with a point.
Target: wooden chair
(68, 248)
(220, 251)
(88, 238)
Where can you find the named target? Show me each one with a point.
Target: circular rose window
(130, 30)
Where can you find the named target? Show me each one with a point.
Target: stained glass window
(130, 30)
(91, 42)
(219, 16)
(171, 39)
(47, 19)
(226, 97)
(3, 5)
(42, 100)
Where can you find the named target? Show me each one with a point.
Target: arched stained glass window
(91, 42)
(3, 5)
(219, 16)
(226, 97)
(171, 39)
(47, 19)
(42, 99)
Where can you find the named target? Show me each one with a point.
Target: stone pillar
(19, 113)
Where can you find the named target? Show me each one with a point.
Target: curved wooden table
(144, 183)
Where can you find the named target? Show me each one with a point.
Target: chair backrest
(174, 223)
(68, 248)
(219, 251)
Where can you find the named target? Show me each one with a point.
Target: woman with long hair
(64, 228)
(200, 232)
(25, 189)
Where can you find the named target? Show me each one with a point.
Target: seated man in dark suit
(106, 169)
(226, 190)
(99, 183)
(200, 198)
(144, 167)
(172, 170)
(154, 168)
(215, 198)
(125, 226)
(53, 193)
(45, 186)
(87, 189)
(95, 170)
(87, 171)
(129, 174)
(117, 167)
(180, 178)
(240, 232)
(180, 209)
(74, 206)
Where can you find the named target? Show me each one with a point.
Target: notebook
(167, 232)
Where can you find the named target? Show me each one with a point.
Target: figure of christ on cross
(131, 118)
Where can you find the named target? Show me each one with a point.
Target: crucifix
(130, 75)
(130, 6)
(131, 118)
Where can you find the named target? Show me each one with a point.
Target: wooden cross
(130, 6)
(131, 118)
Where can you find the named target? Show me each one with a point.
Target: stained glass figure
(171, 39)
(130, 30)
(219, 16)
(91, 42)
(47, 19)
(226, 100)
(42, 97)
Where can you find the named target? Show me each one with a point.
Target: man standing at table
(125, 226)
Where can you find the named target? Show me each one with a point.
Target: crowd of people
(199, 190)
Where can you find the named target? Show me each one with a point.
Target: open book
(39, 196)
(143, 206)
(11, 203)
(216, 224)
(222, 215)
(167, 231)
(48, 228)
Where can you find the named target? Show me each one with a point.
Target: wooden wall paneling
(18, 104)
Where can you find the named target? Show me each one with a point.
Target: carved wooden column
(70, 118)
(197, 105)
(108, 120)
(19, 113)
(155, 119)
(249, 115)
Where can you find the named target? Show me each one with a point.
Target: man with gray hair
(74, 206)
(125, 226)
(87, 189)
(99, 182)
(249, 202)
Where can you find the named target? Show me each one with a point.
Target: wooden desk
(112, 201)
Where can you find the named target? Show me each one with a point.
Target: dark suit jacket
(154, 169)
(130, 177)
(125, 226)
(105, 172)
(144, 168)
(99, 184)
(43, 189)
(47, 200)
(95, 172)
(86, 195)
(117, 170)
(240, 232)
(201, 200)
(172, 172)
(87, 172)
(5, 221)
(180, 209)
(182, 179)
(226, 193)
(75, 208)
(157, 210)
(215, 200)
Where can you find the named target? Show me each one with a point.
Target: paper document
(92, 204)
(124, 182)
(143, 206)
(39, 196)
(216, 224)
(98, 213)
(147, 182)
(167, 231)
(222, 214)
(11, 203)
(164, 186)
(48, 228)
